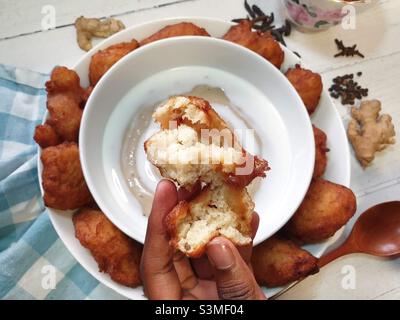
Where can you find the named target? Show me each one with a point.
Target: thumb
(234, 278)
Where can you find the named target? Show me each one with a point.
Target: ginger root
(87, 28)
(370, 132)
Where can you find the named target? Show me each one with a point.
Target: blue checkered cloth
(34, 263)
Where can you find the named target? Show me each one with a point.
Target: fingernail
(221, 255)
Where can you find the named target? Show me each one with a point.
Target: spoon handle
(343, 250)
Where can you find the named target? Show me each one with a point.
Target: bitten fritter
(62, 178)
(176, 30)
(104, 59)
(321, 159)
(262, 43)
(45, 136)
(278, 262)
(325, 209)
(115, 253)
(308, 85)
(64, 101)
(222, 211)
(214, 159)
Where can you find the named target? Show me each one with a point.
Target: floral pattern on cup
(312, 16)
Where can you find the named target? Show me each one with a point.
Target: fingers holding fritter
(45, 136)
(105, 59)
(277, 262)
(176, 30)
(62, 178)
(321, 159)
(325, 209)
(308, 85)
(116, 253)
(262, 43)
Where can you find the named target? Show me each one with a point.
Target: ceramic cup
(317, 15)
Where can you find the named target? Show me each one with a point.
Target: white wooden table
(24, 44)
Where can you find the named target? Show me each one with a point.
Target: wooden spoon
(376, 232)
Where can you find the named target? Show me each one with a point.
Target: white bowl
(262, 94)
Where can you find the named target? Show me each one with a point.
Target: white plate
(326, 118)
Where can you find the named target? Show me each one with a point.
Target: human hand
(224, 273)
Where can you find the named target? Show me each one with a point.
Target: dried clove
(348, 90)
(249, 9)
(263, 22)
(257, 11)
(347, 51)
(297, 54)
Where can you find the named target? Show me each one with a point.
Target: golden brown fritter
(105, 59)
(308, 85)
(222, 211)
(65, 116)
(198, 114)
(65, 80)
(64, 100)
(62, 178)
(86, 95)
(115, 253)
(45, 136)
(176, 30)
(259, 168)
(262, 43)
(278, 261)
(325, 209)
(321, 159)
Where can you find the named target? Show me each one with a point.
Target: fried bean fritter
(64, 101)
(262, 43)
(62, 178)
(65, 116)
(105, 59)
(176, 30)
(278, 261)
(86, 95)
(321, 159)
(115, 253)
(45, 136)
(221, 211)
(308, 85)
(64, 80)
(325, 209)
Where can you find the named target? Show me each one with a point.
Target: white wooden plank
(327, 284)
(41, 51)
(376, 35)
(381, 76)
(393, 294)
(21, 17)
